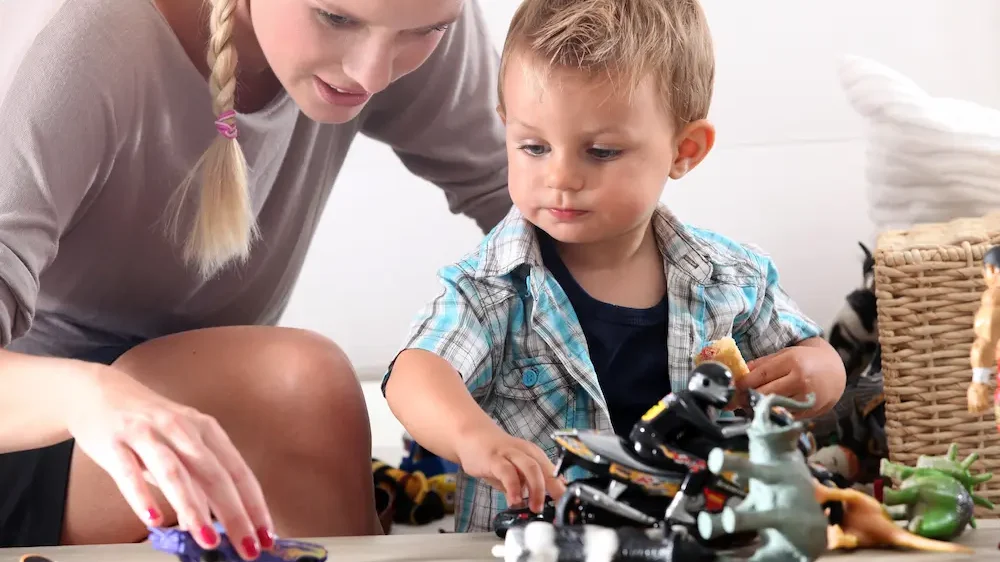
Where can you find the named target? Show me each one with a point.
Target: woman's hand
(141, 438)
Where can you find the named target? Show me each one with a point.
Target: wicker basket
(928, 282)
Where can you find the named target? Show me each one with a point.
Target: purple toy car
(182, 545)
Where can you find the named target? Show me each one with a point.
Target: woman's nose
(370, 64)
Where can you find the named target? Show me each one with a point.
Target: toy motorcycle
(658, 477)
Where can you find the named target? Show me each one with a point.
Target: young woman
(155, 208)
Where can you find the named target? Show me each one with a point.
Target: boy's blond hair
(627, 41)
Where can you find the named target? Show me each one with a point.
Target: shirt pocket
(532, 378)
(532, 399)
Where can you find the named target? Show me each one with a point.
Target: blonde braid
(224, 226)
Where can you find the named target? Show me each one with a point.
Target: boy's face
(587, 164)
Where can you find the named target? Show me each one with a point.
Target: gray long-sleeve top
(101, 116)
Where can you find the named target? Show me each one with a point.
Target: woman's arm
(59, 138)
(37, 392)
(442, 122)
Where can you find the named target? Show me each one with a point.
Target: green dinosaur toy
(936, 496)
(781, 505)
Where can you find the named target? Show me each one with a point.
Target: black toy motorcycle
(627, 490)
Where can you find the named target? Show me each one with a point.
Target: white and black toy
(541, 541)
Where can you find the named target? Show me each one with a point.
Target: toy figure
(180, 544)
(865, 524)
(782, 505)
(686, 418)
(936, 496)
(986, 325)
(590, 543)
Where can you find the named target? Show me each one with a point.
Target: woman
(155, 208)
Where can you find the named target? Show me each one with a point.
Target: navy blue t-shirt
(628, 346)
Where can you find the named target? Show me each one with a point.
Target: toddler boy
(586, 304)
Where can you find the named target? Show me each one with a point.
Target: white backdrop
(786, 172)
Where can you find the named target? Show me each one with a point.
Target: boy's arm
(447, 357)
(428, 397)
(775, 321)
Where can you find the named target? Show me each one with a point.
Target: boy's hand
(509, 464)
(796, 371)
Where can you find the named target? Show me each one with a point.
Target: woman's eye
(532, 149)
(604, 153)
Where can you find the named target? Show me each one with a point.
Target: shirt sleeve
(56, 125)
(453, 327)
(775, 322)
(441, 121)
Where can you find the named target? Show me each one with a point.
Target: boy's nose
(564, 175)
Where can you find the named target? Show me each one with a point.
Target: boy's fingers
(554, 486)
(785, 386)
(763, 373)
(533, 478)
(505, 472)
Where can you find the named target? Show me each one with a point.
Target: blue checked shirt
(508, 328)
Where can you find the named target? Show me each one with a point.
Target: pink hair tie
(225, 128)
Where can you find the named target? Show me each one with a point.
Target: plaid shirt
(508, 328)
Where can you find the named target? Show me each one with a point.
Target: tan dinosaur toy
(866, 524)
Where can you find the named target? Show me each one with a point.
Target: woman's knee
(293, 388)
(320, 395)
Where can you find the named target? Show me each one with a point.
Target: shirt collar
(513, 244)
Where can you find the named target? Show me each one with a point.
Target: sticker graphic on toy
(180, 544)
(936, 497)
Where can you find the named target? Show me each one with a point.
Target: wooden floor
(469, 548)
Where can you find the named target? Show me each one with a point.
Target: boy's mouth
(563, 213)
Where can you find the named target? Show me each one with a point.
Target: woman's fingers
(174, 480)
(185, 434)
(245, 482)
(129, 475)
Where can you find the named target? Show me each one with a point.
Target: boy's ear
(694, 142)
(500, 112)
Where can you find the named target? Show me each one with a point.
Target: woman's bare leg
(290, 402)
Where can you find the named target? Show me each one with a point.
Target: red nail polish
(208, 535)
(266, 538)
(250, 546)
(152, 515)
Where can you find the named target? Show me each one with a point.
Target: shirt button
(529, 378)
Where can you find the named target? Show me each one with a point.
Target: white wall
(786, 172)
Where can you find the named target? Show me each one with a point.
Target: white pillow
(929, 159)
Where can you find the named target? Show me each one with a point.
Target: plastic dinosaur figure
(866, 524)
(936, 496)
(782, 505)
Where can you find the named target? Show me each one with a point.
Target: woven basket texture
(928, 285)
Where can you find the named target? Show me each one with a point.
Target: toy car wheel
(213, 556)
(307, 559)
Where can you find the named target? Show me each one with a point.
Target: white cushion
(929, 159)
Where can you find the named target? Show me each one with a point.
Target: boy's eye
(604, 153)
(334, 19)
(532, 149)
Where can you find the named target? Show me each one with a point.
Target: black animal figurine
(854, 333)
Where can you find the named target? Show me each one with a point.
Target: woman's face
(332, 55)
